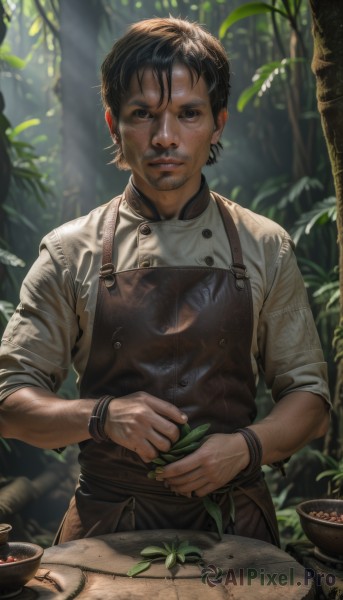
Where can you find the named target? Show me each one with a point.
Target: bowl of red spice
(19, 561)
(322, 522)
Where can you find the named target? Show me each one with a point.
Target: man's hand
(144, 424)
(219, 459)
(295, 420)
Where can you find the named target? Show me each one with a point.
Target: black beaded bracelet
(96, 423)
(255, 451)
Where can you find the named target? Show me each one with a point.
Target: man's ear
(112, 124)
(222, 117)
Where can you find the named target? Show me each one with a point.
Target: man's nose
(166, 131)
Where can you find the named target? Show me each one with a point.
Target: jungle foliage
(55, 146)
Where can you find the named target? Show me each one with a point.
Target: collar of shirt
(144, 207)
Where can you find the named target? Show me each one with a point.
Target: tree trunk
(79, 26)
(327, 66)
(5, 163)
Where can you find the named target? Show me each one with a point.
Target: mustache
(165, 156)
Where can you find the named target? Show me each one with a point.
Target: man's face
(166, 146)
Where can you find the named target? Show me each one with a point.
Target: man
(168, 301)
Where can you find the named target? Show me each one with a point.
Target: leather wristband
(255, 451)
(96, 423)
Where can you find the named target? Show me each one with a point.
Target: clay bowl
(14, 575)
(4, 532)
(325, 535)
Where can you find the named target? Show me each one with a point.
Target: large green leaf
(247, 10)
(322, 212)
(263, 79)
(303, 185)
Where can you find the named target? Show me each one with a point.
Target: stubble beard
(166, 181)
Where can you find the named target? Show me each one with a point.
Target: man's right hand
(139, 421)
(143, 423)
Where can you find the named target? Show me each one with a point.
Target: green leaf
(263, 79)
(22, 127)
(334, 299)
(248, 94)
(185, 429)
(6, 310)
(193, 436)
(170, 560)
(304, 185)
(167, 547)
(232, 508)
(159, 461)
(7, 258)
(170, 458)
(183, 545)
(191, 550)
(153, 551)
(323, 211)
(247, 10)
(186, 449)
(19, 217)
(13, 61)
(36, 26)
(5, 445)
(214, 511)
(139, 568)
(26, 173)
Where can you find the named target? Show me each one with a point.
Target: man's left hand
(218, 460)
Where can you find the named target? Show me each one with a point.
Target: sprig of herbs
(175, 553)
(189, 441)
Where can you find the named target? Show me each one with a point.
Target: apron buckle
(107, 274)
(240, 272)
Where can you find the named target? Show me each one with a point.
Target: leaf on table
(139, 568)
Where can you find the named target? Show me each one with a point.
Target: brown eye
(141, 113)
(190, 113)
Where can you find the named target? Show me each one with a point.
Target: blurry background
(54, 166)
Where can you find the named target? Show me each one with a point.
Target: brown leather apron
(182, 334)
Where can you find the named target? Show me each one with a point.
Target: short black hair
(159, 44)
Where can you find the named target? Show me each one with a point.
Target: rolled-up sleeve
(38, 341)
(290, 353)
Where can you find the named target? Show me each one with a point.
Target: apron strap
(107, 269)
(237, 267)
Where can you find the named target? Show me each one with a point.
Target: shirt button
(209, 261)
(145, 229)
(145, 263)
(117, 345)
(184, 382)
(207, 233)
(222, 342)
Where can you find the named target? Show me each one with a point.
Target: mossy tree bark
(327, 66)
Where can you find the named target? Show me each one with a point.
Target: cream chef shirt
(52, 326)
